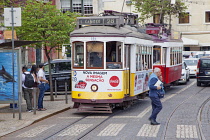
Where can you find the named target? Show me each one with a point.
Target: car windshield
(191, 62)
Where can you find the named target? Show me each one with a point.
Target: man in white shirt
(42, 79)
(191, 55)
(27, 92)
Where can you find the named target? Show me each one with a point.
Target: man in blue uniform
(154, 86)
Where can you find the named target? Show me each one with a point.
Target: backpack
(29, 80)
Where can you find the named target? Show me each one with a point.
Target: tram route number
(107, 21)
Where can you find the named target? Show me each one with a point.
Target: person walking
(34, 71)
(154, 87)
(42, 79)
(27, 92)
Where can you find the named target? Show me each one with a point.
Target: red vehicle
(167, 52)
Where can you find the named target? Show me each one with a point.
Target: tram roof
(107, 31)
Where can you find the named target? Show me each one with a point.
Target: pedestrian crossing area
(113, 129)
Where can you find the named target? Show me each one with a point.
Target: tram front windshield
(97, 56)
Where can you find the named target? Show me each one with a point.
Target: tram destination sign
(109, 20)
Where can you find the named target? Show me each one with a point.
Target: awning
(17, 43)
(187, 41)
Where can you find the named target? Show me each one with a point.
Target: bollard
(55, 88)
(19, 105)
(66, 92)
(36, 90)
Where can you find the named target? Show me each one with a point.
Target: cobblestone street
(178, 120)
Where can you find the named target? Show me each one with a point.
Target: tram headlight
(79, 94)
(94, 87)
(110, 95)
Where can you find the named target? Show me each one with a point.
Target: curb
(34, 121)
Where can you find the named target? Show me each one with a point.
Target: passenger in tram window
(154, 87)
(97, 60)
(111, 53)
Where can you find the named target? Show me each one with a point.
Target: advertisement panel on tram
(104, 81)
(141, 81)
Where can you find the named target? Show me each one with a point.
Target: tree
(148, 8)
(43, 22)
(9, 3)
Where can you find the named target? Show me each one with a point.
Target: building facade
(194, 28)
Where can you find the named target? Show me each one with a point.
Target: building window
(76, 5)
(184, 18)
(156, 18)
(207, 16)
(88, 7)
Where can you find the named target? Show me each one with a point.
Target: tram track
(118, 111)
(66, 127)
(199, 117)
(89, 131)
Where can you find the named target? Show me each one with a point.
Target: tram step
(95, 108)
(95, 105)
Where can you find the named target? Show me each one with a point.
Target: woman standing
(35, 92)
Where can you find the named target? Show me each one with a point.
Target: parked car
(203, 71)
(61, 72)
(185, 74)
(192, 65)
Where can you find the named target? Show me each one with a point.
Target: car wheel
(185, 81)
(198, 83)
(188, 79)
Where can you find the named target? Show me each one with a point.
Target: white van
(192, 65)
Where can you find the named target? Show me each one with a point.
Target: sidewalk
(9, 124)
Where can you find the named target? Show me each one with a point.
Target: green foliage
(148, 8)
(43, 22)
(9, 3)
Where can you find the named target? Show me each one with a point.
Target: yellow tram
(111, 63)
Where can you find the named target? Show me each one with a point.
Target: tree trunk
(162, 18)
(50, 75)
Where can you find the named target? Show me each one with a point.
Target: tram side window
(95, 54)
(180, 55)
(78, 49)
(113, 55)
(149, 57)
(140, 67)
(173, 55)
(144, 61)
(164, 55)
(137, 66)
(156, 55)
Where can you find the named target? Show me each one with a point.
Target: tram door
(127, 69)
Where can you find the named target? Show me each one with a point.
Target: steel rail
(163, 137)
(199, 118)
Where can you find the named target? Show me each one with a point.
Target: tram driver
(97, 60)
